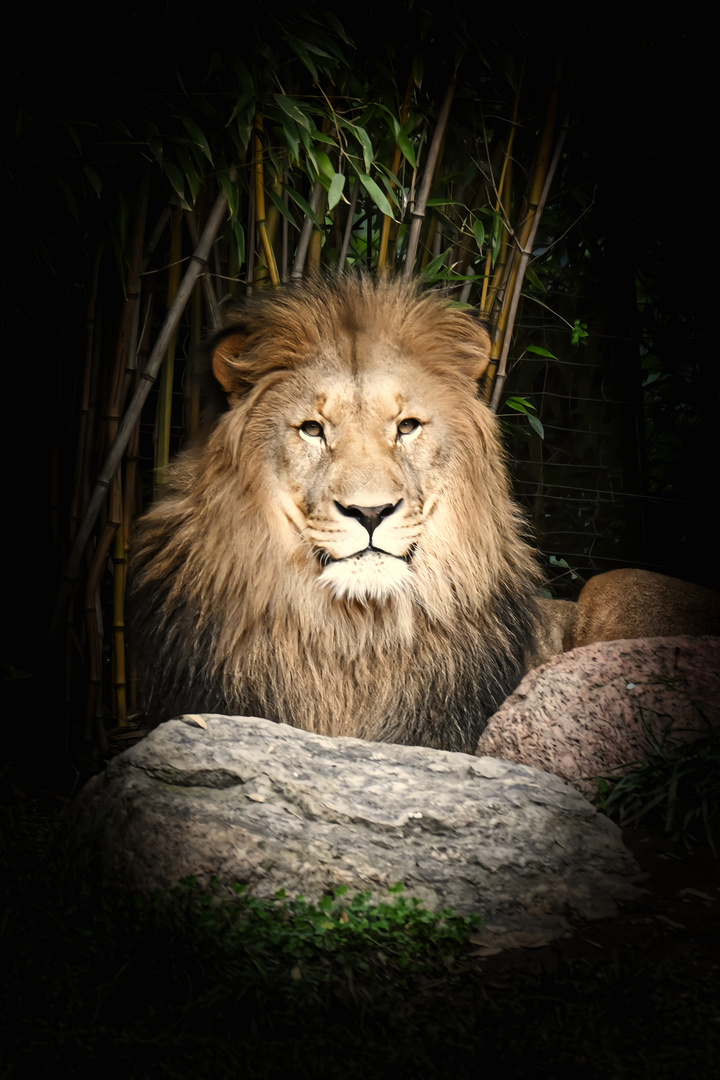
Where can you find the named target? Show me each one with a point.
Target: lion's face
(360, 453)
(362, 448)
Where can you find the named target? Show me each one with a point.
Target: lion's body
(343, 555)
(637, 603)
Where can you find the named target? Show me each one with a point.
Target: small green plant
(397, 936)
(678, 787)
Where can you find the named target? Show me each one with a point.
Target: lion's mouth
(325, 559)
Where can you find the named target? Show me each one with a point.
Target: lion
(625, 604)
(632, 603)
(343, 555)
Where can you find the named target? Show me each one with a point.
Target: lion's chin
(371, 576)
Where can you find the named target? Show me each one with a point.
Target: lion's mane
(234, 597)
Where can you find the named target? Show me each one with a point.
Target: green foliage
(677, 787)
(295, 937)
(522, 405)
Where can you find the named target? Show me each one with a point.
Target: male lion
(343, 555)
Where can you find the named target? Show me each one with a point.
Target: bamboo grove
(298, 154)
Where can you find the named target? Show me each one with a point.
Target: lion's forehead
(375, 384)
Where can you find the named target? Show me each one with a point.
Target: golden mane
(235, 595)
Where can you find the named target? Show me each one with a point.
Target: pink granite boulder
(592, 711)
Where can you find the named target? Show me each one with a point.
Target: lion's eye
(311, 431)
(409, 428)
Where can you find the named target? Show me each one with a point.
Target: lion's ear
(227, 350)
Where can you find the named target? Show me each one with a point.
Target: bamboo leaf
(193, 178)
(292, 139)
(338, 27)
(534, 280)
(196, 134)
(479, 233)
(313, 47)
(320, 136)
(335, 190)
(244, 107)
(325, 166)
(239, 235)
(407, 148)
(304, 206)
(430, 271)
(301, 52)
(536, 425)
(95, 181)
(231, 193)
(417, 69)
(281, 207)
(539, 351)
(376, 194)
(309, 150)
(244, 75)
(155, 143)
(366, 146)
(120, 126)
(293, 110)
(497, 231)
(176, 180)
(391, 184)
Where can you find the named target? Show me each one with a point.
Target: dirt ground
(675, 922)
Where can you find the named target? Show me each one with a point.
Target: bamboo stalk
(197, 266)
(211, 303)
(129, 510)
(118, 381)
(83, 418)
(525, 235)
(306, 232)
(119, 679)
(314, 255)
(192, 383)
(397, 159)
(162, 451)
(418, 211)
(349, 224)
(524, 259)
(98, 567)
(494, 278)
(115, 388)
(260, 220)
(503, 202)
(284, 244)
(250, 253)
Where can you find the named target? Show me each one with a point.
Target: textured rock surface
(588, 712)
(274, 807)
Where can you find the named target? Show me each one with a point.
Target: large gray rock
(591, 711)
(274, 807)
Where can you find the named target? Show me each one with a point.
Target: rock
(591, 711)
(246, 800)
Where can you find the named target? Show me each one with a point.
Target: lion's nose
(369, 516)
